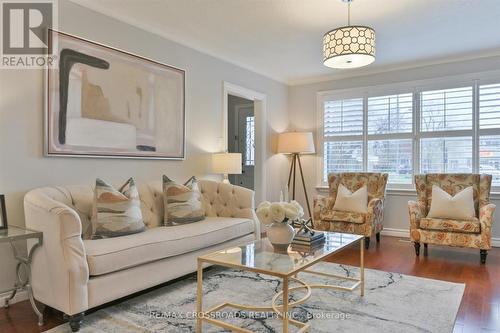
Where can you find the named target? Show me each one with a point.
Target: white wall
(303, 116)
(23, 166)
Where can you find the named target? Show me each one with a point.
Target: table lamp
(226, 164)
(296, 143)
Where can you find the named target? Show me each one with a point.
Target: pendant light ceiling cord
(349, 13)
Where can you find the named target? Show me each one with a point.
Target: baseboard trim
(405, 233)
(21, 295)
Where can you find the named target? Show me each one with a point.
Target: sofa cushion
(116, 212)
(113, 254)
(464, 226)
(343, 216)
(182, 202)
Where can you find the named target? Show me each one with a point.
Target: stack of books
(305, 239)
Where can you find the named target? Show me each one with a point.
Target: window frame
(474, 81)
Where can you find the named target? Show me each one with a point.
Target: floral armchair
(474, 233)
(328, 219)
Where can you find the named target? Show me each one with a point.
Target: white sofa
(73, 275)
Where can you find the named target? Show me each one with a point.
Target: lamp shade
(226, 163)
(296, 142)
(349, 47)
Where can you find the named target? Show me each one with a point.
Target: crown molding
(367, 71)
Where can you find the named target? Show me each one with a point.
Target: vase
(280, 235)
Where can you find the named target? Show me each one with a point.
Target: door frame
(261, 131)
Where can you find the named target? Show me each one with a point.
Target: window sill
(495, 195)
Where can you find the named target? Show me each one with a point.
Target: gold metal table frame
(281, 310)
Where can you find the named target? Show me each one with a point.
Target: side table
(11, 235)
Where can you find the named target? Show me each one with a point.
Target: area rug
(392, 303)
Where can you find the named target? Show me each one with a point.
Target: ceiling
(282, 38)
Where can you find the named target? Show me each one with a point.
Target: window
(393, 157)
(250, 141)
(444, 110)
(489, 156)
(344, 117)
(343, 156)
(443, 155)
(489, 131)
(450, 129)
(390, 114)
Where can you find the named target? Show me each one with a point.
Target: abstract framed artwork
(104, 102)
(3, 213)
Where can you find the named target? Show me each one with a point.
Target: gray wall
(303, 116)
(23, 166)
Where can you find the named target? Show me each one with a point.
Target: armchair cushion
(465, 226)
(343, 216)
(348, 201)
(458, 207)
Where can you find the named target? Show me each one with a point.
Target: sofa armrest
(375, 213)
(415, 212)
(59, 269)
(229, 200)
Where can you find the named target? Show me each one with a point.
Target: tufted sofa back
(375, 183)
(453, 183)
(217, 199)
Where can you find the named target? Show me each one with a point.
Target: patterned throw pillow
(116, 212)
(182, 202)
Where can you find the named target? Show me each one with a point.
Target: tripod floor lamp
(296, 143)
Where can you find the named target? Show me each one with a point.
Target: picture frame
(101, 101)
(3, 213)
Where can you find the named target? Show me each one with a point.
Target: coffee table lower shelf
(281, 310)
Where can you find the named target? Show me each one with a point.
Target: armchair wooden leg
(75, 321)
(377, 236)
(483, 253)
(425, 249)
(417, 248)
(367, 242)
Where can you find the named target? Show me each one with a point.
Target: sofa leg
(483, 253)
(75, 321)
(367, 242)
(377, 236)
(417, 248)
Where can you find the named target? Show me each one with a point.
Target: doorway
(256, 157)
(241, 138)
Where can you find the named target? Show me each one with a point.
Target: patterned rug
(392, 303)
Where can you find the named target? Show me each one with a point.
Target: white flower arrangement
(280, 212)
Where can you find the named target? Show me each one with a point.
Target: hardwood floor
(479, 311)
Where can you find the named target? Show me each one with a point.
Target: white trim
(261, 131)
(368, 71)
(21, 295)
(393, 232)
(405, 192)
(405, 233)
(400, 87)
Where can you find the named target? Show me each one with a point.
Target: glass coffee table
(260, 257)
